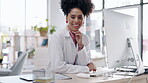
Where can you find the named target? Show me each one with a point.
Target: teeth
(75, 25)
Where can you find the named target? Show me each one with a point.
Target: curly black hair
(86, 6)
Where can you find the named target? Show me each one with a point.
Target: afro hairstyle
(86, 6)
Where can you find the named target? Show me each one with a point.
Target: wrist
(80, 44)
(80, 47)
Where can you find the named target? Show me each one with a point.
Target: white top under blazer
(64, 55)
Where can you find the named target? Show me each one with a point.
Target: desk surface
(75, 79)
(12, 79)
(114, 79)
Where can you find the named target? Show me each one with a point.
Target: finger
(94, 69)
(89, 63)
(76, 32)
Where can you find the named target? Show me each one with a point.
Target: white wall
(55, 15)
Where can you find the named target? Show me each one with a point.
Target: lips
(76, 25)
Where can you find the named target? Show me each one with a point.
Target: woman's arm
(84, 56)
(57, 58)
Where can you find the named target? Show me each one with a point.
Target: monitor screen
(97, 40)
(118, 28)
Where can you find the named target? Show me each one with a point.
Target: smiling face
(75, 19)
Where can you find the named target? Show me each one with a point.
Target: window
(119, 3)
(14, 12)
(98, 4)
(16, 18)
(145, 35)
(12, 15)
(36, 13)
(145, 1)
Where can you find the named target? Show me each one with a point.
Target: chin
(76, 29)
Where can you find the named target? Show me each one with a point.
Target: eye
(73, 17)
(79, 17)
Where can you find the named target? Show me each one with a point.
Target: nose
(76, 20)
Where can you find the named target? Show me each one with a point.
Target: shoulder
(59, 34)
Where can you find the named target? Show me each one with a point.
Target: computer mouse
(83, 75)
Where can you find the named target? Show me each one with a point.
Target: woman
(69, 48)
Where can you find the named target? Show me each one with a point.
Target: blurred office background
(17, 17)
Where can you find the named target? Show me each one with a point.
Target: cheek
(82, 22)
(71, 20)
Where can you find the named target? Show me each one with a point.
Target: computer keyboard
(126, 70)
(101, 71)
(131, 69)
(126, 73)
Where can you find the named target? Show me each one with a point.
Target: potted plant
(31, 53)
(52, 29)
(44, 30)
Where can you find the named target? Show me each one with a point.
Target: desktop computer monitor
(118, 29)
(98, 40)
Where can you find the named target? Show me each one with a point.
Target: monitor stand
(137, 58)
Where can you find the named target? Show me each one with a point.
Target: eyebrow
(75, 15)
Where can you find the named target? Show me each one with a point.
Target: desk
(137, 79)
(12, 79)
(116, 79)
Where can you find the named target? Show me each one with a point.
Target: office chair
(16, 68)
